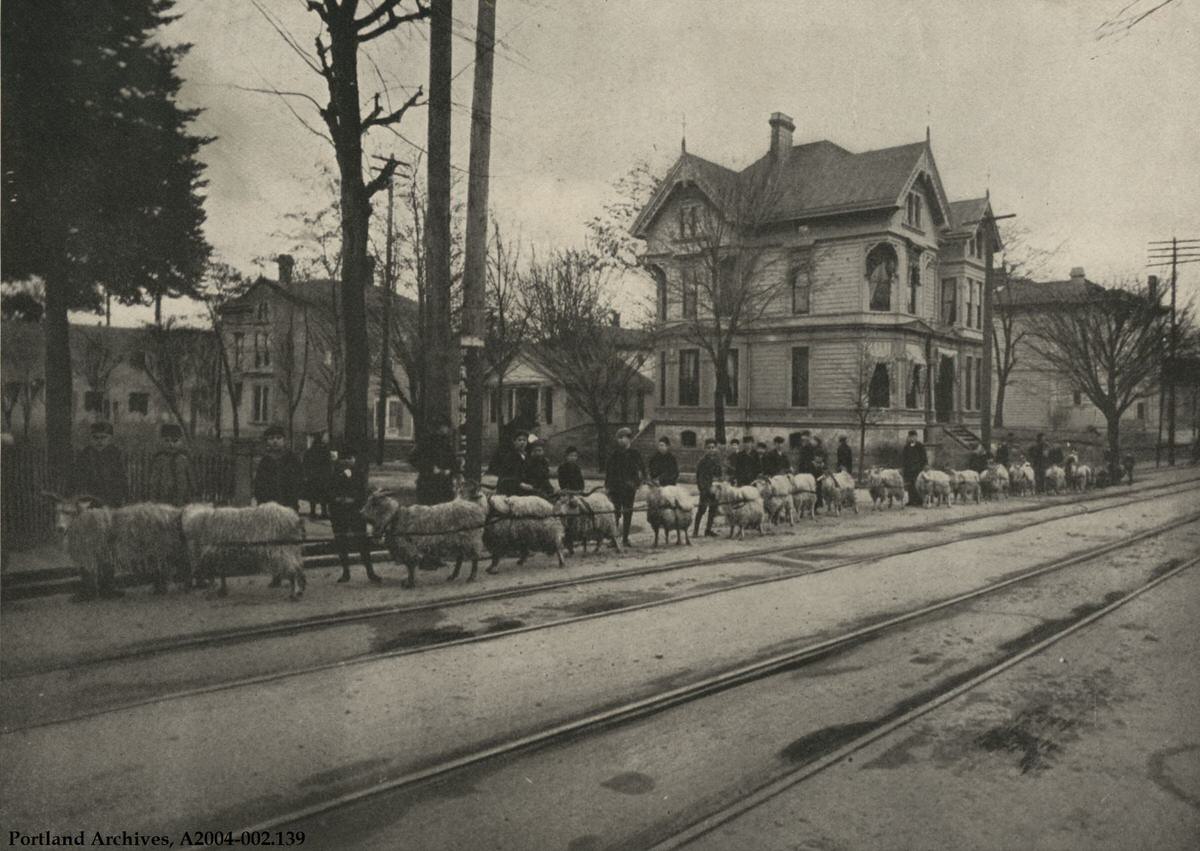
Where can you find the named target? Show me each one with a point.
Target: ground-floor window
(912, 398)
(800, 377)
(689, 377)
(260, 408)
(687, 439)
(1141, 410)
(880, 391)
(548, 405)
(139, 403)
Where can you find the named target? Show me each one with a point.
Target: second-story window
(660, 292)
(912, 212)
(732, 377)
(689, 377)
(690, 292)
(802, 284)
(239, 345)
(881, 272)
(949, 300)
(969, 312)
(689, 221)
(914, 286)
(979, 305)
(263, 311)
(262, 350)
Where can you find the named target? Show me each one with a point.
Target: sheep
(670, 508)
(587, 517)
(885, 484)
(1081, 477)
(740, 506)
(965, 485)
(776, 492)
(994, 481)
(933, 487)
(518, 525)
(144, 539)
(804, 494)
(1021, 478)
(1056, 479)
(838, 491)
(267, 536)
(416, 533)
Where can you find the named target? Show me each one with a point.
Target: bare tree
(345, 30)
(222, 283)
(291, 357)
(506, 317)
(574, 337)
(1022, 262)
(1110, 344)
(732, 271)
(96, 355)
(171, 356)
(864, 401)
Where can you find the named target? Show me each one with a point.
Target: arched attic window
(882, 264)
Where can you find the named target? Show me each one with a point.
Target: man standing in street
(747, 465)
(278, 477)
(707, 471)
(913, 459)
(438, 462)
(99, 472)
(171, 469)
(806, 460)
(318, 463)
(346, 489)
(845, 456)
(1037, 458)
(664, 469)
(622, 477)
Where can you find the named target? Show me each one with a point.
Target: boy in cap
(171, 469)
(734, 449)
(622, 476)
(776, 462)
(278, 476)
(845, 456)
(510, 466)
(570, 476)
(347, 491)
(747, 465)
(536, 474)
(316, 464)
(99, 469)
(663, 467)
(707, 471)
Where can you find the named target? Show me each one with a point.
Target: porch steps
(962, 435)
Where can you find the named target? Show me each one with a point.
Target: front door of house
(943, 393)
(527, 404)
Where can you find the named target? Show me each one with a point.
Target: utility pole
(385, 349)
(439, 354)
(985, 377)
(475, 268)
(1158, 257)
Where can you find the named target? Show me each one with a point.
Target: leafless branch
(377, 118)
(386, 8)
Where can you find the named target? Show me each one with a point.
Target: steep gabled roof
(818, 178)
(966, 215)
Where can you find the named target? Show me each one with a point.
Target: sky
(1093, 144)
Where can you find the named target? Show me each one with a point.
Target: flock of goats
(196, 543)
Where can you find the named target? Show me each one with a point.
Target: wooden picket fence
(27, 517)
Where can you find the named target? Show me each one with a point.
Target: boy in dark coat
(845, 456)
(747, 465)
(663, 467)
(777, 462)
(1037, 459)
(99, 469)
(536, 472)
(509, 466)
(438, 464)
(622, 476)
(317, 462)
(278, 477)
(913, 459)
(171, 469)
(978, 459)
(707, 471)
(570, 476)
(346, 487)
(734, 449)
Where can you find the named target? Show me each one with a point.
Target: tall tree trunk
(1114, 447)
(862, 449)
(59, 389)
(1001, 384)
(719, 396)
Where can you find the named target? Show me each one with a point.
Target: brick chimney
(1077, 275)
(782, 128)
(287, 266)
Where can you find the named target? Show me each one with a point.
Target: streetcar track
(558, 622)
(752, 671)
(884, 727)
(296, 627)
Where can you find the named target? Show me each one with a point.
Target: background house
(880, 267)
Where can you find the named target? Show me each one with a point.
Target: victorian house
(881, 299)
